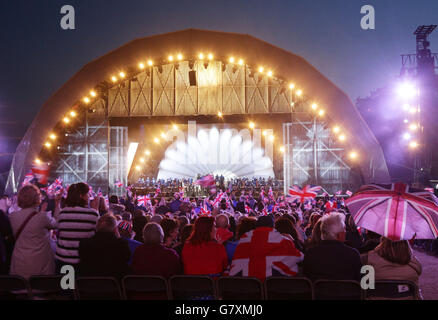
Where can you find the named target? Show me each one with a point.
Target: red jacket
(206, 259)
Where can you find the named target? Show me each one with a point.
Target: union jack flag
(55, 188)
(143, 201)
(28, 178)
(248, 208)
(265, 211)
(271, 193)
(307, 193)
(339, 192)
(348, 193)
(118, 184)
(41, 172)
(157, 192)
(308, 205)
(206, 181)
(264, 252)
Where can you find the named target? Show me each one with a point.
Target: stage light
(86, 100)
(291, 86)
(66, 120)
(353, 155)
(141, 65)
(142, 160)
(201, 56)
(292, 104)
(170, 58)
(138, 168)
(114, 79)
(407, 136)
(261, 69)
(282, 149)
(163, 135)
(240, 62)
(321, 113)
(299, 93)
(175, 127)
(52, 136)
(37, 161)
(406, 107)
(47, 145)
(147, 152)
(93, 93)
(219, 114)
(342, 137)
(73, 114)
(251, 125)
(269, 73)
(150, 63)
(413, 127)
(413, 144)
(180, 56)
(122, 74)
(412, 110)
(336, 129)
(314, 106)
(406, 90)
(156, 140)
(231, 60)
(265, 133)
(210, 56)
(271, 138)
(406, 121)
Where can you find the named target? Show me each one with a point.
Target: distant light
(150, 63)
(86, 100)
(412, 110)
(261, 69)
(156, 140)
(282, 149)
(353, 155)
(231, 60)
(219, 114)
(147, 152)
(73, 114)
(406, 107)
(342, 137)
(336, 129)
(292, 104)
(170, 58)
(175, 127)
(406, 90)
(265, 133)
(93, 93)
(52, 136)
(271, 138)
(321, 113)
(407, 136)
(180, 56)
(122, 74)
(141, 65)
(201, 56)
(413, 127)
(66, 120)
(114, 79)
(48, 144)
(291, 86)
(406, 121)
(142, 160)
(251, 125)
(413, 144)
(37, 161)
(210, 56)
(269, 73)
(314, 106)
(138, 168)
(299, 93)
(163, 135)
(240, 62)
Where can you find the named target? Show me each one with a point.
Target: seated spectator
(184, 235)
(331, 259)
(315, 239)
(152, 257)
(76, 221)
(32, 254)
(125, 231)
(314, 217)
(264, 252)
(127, 216)
(170, 229)
(393, 260)
(245, 225)
(286, 227)
(225, 236)
(372, 240)
(202, 255)
(104, 254)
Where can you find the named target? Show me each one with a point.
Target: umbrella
(395, 211)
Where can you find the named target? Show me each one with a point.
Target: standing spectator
(125, 231)
(202, 255)
(152, 257)
(138, 224)
(32, 253)
(331, 259)
(104, 254)
(76, 222)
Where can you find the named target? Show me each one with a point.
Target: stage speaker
(192, 78)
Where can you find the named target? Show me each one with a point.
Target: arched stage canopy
(255, 52)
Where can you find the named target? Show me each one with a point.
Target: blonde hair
(394, 251)
(29, 196)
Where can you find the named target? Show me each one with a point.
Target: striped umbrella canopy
(395, 211)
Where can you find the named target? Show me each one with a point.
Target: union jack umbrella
(307, 193)
(395, 211)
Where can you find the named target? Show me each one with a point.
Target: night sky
(37, 57)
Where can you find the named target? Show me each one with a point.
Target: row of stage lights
(179, 57)
(407, 92)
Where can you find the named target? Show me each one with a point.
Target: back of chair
(49, 288)
(14, 288)
(393, 289)
(337, 290)
(97, 288)
(188, 287)
(288, 288)
(145, 288)
(239, 288)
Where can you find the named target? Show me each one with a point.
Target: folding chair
(49, 288)
(14, 288)
(187, 287)
(145, 288)
(97, 288)
(288, 288)
(393, 289)
(337, 290)
(239, 288)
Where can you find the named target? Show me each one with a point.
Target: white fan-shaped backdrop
(220, 153)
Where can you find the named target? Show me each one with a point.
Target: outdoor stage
(198, 102)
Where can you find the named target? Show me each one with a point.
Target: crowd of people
(240, 235)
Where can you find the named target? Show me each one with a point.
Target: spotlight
(201, 56)
(291, 86)
(231, 60)
(405, 120)
(156, 140)
(175, 127)
(342, 137)
(73, 114)
(299, 93)
(150, 63)
(407, 136)
(163, 135)
(170, 58)
(210, 56)
(37, 161)
(353, 155)
(321, 113)
(240, 62)
(138, 168)
(264, 133)
(147, 152)
(413, 144)
(336, 129)
(406, 90)
(269, 73)
(114, 79)
(122, 75)
(413, 127)
(66, 120)
(141, 65)
(93, 93)
(86, 100)
(251, 125)
(180, 56)
(282, 149)
(219, 114)
(142, 160)
(52, 136)
(271, 138)
(314, 106)
(261, 69)
(47, 145)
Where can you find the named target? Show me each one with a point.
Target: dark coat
(104, 255)
(332, 260)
